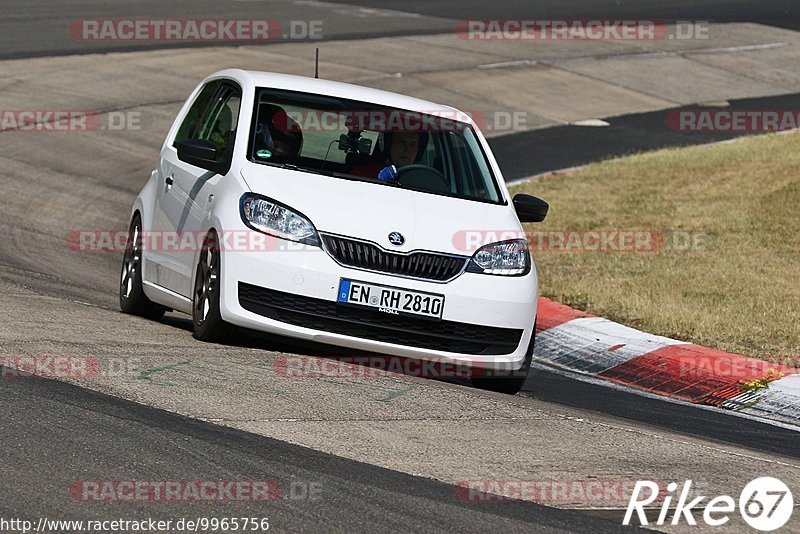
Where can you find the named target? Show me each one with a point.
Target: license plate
(390, 300)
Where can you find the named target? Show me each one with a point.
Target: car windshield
(426, 152)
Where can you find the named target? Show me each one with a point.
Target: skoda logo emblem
(396, 238)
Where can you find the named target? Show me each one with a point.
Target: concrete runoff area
(516, 86)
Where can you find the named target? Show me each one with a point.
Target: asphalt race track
(563, 147)
(387, 453)
(126, 439)
(782, 13)
(35, 28)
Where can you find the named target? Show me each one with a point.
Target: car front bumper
(487, 320)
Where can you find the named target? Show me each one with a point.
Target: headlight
(273, 218)
(510, 258)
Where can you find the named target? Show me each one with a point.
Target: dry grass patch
(740, 292)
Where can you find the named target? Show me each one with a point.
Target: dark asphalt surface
(782, 13)
(41, 28)
(679, 417)
(55, 434)
(33, 28)
(560, 388)
(549, 149)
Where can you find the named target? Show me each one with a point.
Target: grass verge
(723, 265)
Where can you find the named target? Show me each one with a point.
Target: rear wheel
(132, 299)
(208, 323)
(507, 381)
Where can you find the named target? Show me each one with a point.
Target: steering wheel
(423, 177)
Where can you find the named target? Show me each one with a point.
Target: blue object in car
(388, 173)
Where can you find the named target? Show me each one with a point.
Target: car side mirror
(201, 153)
(530, 208)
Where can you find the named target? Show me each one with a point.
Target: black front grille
(363, 255)
(328, 316)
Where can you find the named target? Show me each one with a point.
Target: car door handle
(169, 181)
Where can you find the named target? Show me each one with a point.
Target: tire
(206, 317)
(509, 382)
(132, 299)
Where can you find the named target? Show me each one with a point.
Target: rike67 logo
(765, 504)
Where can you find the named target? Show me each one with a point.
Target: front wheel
(132, 299)
(507, 381)
(206, 317)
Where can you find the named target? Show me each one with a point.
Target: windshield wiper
(357, 178)
(293, 167)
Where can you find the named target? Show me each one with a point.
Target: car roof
(349, 91)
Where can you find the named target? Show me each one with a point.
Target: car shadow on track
(251, 339)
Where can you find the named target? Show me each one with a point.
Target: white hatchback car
(338, 214)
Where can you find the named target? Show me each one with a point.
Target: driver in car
(278, 137)
(400, 148)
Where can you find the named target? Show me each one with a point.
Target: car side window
(218, 123)
(191, 121)
(213, 117)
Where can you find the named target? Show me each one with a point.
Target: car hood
(372, 211)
